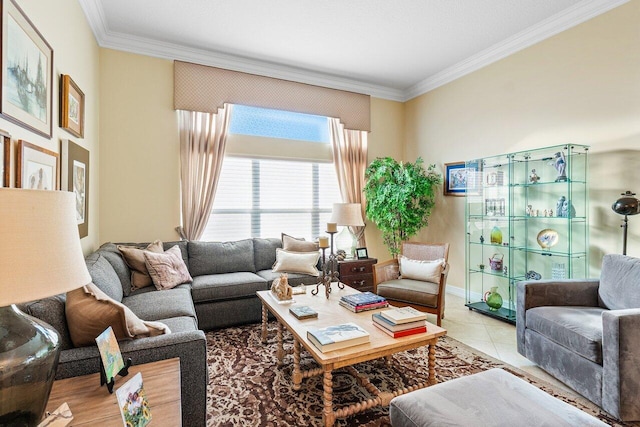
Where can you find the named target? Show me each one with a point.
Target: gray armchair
(586, 333)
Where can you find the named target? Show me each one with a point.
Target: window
(263, 197)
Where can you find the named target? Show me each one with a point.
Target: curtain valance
(206, 89)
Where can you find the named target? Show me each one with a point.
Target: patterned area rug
(246, 387)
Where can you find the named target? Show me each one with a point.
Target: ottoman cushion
(490, 398)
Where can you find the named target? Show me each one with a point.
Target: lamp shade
(40, 252)
(346, 214)
(626, 205)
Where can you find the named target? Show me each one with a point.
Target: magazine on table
(336, 337)
(403, 315)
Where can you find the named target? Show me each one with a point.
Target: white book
(335, 337)
(403, 315)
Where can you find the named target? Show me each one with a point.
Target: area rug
(247, 388)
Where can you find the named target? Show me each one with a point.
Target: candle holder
(329, 270)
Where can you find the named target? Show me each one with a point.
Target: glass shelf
(503, 185)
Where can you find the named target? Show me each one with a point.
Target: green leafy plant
(400, 197)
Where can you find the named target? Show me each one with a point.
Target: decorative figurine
(559, 205)
(529, 210)
(504, 270)
(568, 211)
(496, 235)
(280, 287)
(560, 164)
(481, 239)
(532, 275)
(550, 212)
(545, 212)
(533, 177)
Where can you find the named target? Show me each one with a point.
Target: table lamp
(40, 256)
(626, 205)
(345, 215)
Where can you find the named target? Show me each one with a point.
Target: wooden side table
(92, 405)
(357, 273)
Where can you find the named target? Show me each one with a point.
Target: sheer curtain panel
(350, 160)
(203, 137)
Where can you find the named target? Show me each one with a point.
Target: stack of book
(363, 302)
(401, 322)
(336, 337)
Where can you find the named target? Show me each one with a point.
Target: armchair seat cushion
(578, 329)
(410, 291)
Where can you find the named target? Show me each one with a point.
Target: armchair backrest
(425, 251)
(619, 282)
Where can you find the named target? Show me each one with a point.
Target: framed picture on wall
(27, 70)
(37, 167)
(75, 178)
(71, 106)
(460, 178)
(5, 159)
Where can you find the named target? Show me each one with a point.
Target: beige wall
(63, 24)
(140, 164)
(581, 86)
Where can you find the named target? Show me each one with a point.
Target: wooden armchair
(422, 295)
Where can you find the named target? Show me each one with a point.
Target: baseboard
(460, 292)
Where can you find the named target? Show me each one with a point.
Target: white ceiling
(393, 49)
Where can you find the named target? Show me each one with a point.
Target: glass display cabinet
(527, 219)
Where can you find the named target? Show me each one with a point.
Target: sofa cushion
(167, 270)
(90, 311)
(158, 305)
(427, 271)
(135, 259)
(220, 257)
(264, 252)
(121, 268)
(295, 244)
(411, 291)
(296, 262)
(294, 279)
(578, 329)
(104, 276)
(225, 286)
(51, 310)
(619, 283)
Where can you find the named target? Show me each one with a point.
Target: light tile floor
(491, 336)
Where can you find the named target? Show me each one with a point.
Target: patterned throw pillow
(134, 258)
(167, 270)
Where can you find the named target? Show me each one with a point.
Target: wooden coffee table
(331, 313)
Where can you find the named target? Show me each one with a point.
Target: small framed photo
(37, 167)
(75, 178)
(460, 178)
(133, 403)
(71, 107)
(110, 355)
(361, 253)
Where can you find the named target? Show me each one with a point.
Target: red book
(399, 334)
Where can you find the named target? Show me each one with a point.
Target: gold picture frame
(71, 106)
(37, 167)
(26, 71)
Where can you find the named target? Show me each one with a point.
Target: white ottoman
(490, 398)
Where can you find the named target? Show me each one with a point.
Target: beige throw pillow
(296, 262)
(134, 258)
(426, 271)
(294, 244)
(90, 311)
(167, 270)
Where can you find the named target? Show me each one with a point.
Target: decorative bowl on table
(547, 238)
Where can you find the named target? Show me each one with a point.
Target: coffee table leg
(265, 317)
(327, 413)
(297, 373)
(432, 362)
(280, 350)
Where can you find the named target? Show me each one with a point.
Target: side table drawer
(356, 267)
(361, 282)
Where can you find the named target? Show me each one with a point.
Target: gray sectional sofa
(226, 276)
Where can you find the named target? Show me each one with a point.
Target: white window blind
(263, 198)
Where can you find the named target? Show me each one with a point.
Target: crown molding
(547, 28)
(553, 25)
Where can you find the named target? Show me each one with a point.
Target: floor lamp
(40, 256)
(626, 205)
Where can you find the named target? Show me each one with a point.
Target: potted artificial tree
(400, 197)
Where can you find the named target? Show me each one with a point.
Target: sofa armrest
(621, 362)
(384, 271)
(189, 346)
(537, 293)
